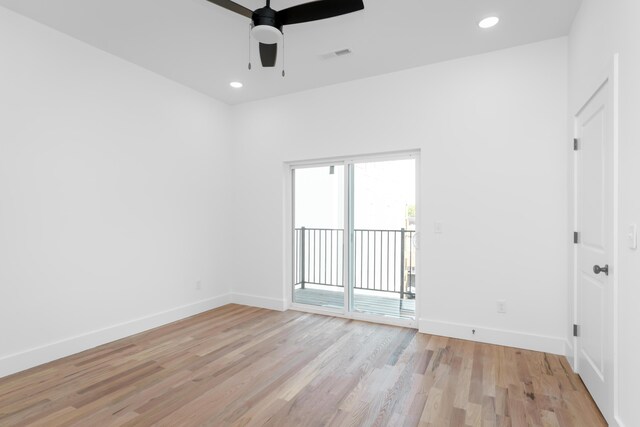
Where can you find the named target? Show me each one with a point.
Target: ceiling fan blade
(234, 7)
(316, 10)
(268, 54)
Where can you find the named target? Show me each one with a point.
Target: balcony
(383, 270)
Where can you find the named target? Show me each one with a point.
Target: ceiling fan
(267, 23)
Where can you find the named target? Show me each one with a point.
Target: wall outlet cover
(502, 306)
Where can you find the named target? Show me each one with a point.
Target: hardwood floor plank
(243, 366)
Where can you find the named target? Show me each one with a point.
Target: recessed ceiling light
(236, 85)
(489, 22)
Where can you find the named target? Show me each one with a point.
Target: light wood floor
(245, 366)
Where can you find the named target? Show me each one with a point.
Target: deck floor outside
(378, 303)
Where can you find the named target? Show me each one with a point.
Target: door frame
(288, 211)
(610, 77)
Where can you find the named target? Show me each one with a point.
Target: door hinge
(576, 237)
(575, 144)
(575, 330)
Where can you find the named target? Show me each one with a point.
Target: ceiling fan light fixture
(266, 34)
(489, 22)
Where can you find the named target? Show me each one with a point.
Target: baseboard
(569, 354)
(37, 356)
(261, 302)
(506, 338)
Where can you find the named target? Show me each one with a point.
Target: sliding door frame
(289, 236)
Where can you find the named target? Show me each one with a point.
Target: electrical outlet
(198, 284)
(501, 306)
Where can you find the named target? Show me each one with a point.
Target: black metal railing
(383, 260)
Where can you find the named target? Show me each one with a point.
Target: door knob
(597, 269)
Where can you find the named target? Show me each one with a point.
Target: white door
(595, 201)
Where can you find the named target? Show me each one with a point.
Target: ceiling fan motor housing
(267, 23)
(266, 16)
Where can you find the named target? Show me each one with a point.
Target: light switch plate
(438, 228)
(632, 236)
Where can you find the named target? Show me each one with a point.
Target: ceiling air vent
(337, 53)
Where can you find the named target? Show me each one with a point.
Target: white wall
(114, 197)
(116, 191)
(492, 134)
(601, 29)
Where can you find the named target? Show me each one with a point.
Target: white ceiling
(205, 47)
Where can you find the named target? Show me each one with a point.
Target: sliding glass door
(318, 194)
(354, 238)
(383, 203)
